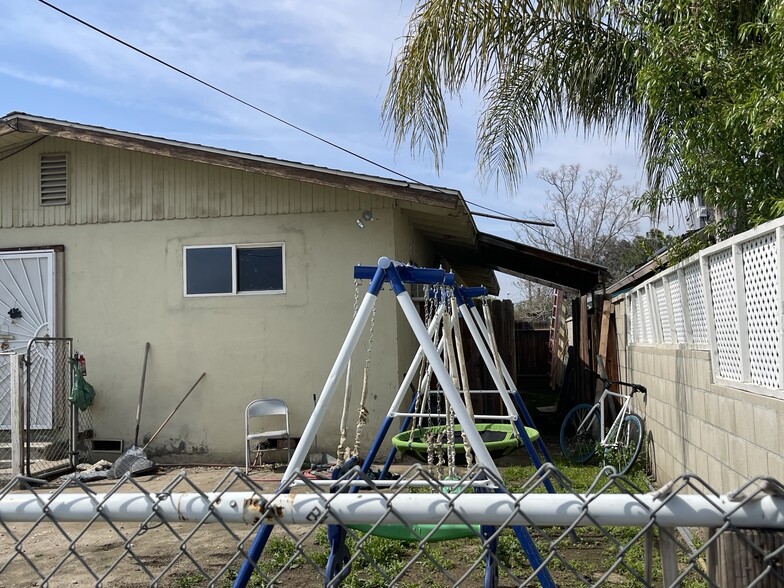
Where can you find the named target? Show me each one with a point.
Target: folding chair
(260, 409)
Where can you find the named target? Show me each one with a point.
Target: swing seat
(498, 438)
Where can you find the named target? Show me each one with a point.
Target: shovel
(135, 460)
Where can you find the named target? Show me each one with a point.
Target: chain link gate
(49, 434)
(52, 422)
(7, 470)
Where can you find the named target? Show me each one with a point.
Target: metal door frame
(73, 411)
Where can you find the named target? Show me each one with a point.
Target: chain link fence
(52, 436)
(413, 531)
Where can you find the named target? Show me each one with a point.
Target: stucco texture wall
(124, 286)
(724, 435)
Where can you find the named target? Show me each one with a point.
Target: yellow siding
(108, 185)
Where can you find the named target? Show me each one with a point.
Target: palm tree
(539, 66)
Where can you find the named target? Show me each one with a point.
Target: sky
(321, 65)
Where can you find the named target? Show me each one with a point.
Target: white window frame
(234, 247)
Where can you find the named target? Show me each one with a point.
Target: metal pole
(420, 354)
(511, 384)
(560, 510)
(141, 394)
(495, 374)
(325, 398)
(467, 425)
(17, 415)
(176, 408)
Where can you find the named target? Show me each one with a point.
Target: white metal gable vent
(54, 179)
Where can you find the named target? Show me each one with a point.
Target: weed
(190, 581)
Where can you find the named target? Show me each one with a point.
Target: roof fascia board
(515, 246)
(9, 126)
(381, 186)
(545, 266)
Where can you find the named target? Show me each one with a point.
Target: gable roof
(440, 214)
(18, 127)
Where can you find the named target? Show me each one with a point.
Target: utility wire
(265, 112)
(517, 220)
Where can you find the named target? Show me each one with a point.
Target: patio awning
(524, 261)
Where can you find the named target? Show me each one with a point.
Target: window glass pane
(259, 269)
(208, 270)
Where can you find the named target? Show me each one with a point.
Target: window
(54, 179)
(215, 270)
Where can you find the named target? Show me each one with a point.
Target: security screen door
(27, 310)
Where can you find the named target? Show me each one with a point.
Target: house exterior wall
(409, 247)
(723, 434)
(123, 286)
(108, 184)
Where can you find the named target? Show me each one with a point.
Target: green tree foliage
(701, 81)
(538, 66)
(714, 74)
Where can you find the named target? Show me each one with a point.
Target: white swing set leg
(429, 350)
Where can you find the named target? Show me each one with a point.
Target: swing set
(446, 436)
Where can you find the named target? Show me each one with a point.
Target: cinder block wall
(724, 435)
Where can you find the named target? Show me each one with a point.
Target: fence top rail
(623, 510)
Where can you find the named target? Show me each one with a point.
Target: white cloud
(321, 65)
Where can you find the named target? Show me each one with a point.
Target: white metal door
(27, 310)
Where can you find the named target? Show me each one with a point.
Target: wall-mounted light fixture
(365, 217)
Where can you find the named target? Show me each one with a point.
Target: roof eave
(401, 190)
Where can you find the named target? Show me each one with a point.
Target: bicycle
(582, 431)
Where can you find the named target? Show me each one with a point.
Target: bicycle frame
(607, 440)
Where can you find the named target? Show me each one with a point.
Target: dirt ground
(75, 554)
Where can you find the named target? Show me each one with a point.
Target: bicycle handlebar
(608, 383)
(634, 387)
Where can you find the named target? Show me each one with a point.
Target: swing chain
(370, 337)
(362, 411)
(357, 283)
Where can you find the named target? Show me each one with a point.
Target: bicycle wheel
(624, 450)
(578, 438)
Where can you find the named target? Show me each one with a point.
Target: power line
(517, 220)
(261, 110)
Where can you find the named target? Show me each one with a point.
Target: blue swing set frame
(397, 275)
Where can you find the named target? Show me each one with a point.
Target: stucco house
(228, 263)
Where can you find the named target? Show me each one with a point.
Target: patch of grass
(441, 554)
(190, 581)
(379, 560)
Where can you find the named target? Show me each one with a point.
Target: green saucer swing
(499, 438)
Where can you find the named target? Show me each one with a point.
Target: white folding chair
(259, 410)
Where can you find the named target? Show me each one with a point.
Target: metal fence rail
(179, 534)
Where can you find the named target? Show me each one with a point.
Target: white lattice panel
(647, 317)
(640, 321)
(661, 308)
(632, 333)
(763, 303)
(695, 301)
(725, 314)
(674, 287)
